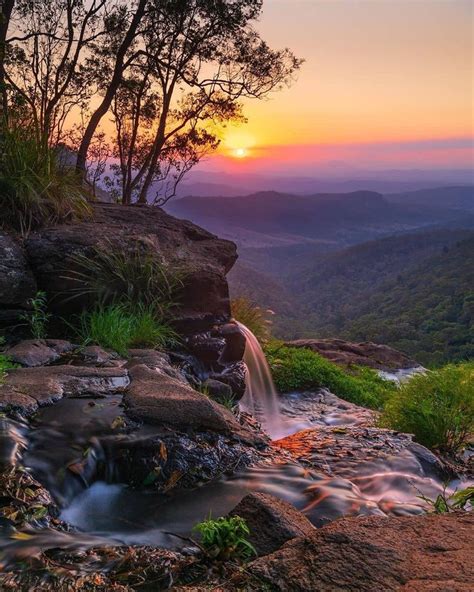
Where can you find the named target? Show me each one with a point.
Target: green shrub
(117, 328)
(132, 278)
(298, 369)
(226, 538)
(38, 318)
(253, 317)
(34, 188)
(461, 499)
(437, 407)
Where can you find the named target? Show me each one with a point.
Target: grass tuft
(253, 317)
(226, 538)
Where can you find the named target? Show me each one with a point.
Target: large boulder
(271, 521)
(17, 283)
(38, 352)
(346, 353)
(413, 554)
(202, 258)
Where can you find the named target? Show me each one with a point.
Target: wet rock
(206, 348)
(27, 389)
(156, 398)
(97, 356)
(17, 283)
(234, 376)
(203, 258)
(272, 521)
(217, 390)
(154, 360)
(38, 352)
(345, 353)
(416, 553)
(234, 343)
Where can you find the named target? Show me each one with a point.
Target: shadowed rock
(38, 352)
(272, 521)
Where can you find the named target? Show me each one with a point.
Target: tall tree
(6, 9)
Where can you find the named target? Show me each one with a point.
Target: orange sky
(375, 71)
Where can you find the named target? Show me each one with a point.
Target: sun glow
(240, 152)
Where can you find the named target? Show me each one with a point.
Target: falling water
(261, 397)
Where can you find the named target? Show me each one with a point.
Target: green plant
(445, 503)
(5, 363)
(437, 407)
(115, 327)
(226, 538)
(34, 188)
(38, 317)
(253, 317)
(302, 369)
(112, 275)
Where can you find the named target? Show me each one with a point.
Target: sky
(385, 83)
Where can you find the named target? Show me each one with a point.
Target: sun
(241, 152)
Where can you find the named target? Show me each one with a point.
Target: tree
(6, 9)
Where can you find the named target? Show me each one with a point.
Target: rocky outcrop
(202, 258)
(409, 554)
(346, 353)
(27, 389)
(271, 521)
(17, 283)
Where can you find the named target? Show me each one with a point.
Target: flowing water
(330, 463)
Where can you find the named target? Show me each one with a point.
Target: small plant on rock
(38, 317)
(461, 499)
(226, 538)
(5, 363)
(253, 317)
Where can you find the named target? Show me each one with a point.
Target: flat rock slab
(272, 521)
(157, 398)
(346, 353)
(410, 554)
(27, 389)
(38, 352)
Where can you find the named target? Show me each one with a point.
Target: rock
(206, 348)
(345, 353)
(272, 521)
(27, 389)
(219, 391)
(234, 376)
(156, 398)
(154, 360)
(38, 352)
(203, 258)
(234, 342)
(17, 283)
(96, 355)
(414, 554)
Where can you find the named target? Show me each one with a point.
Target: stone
(203, 259)
(157, 398)
(234, 376)
(154, 360)
(206, 348)
(26, 389)
(272, 521)
(17, 283)
(370, 554)
(38, 352)
(96, 355)
(234, 343)
(346, 353)
(217, 390)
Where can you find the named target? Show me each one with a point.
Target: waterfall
(261, 397)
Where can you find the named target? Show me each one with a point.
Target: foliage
(131, 278)
(118, 328)
(443, 504)
(5, 363)
(252, 316)
(298, 369)
(38, 317)
(226, 538)
(438, 407)
(34, 188)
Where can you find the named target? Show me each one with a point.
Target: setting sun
(240, 152)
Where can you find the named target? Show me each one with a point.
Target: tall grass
(253, 317)
(296, 369)
(34, 189)
(438, 407)
(117, 328)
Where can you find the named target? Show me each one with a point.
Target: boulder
(38, 352)
(217, 390)
(370, 554)
(17, 283)
(234, 376)
(26, 389)
(203, 258)
(157, 398)
(272, 521)
(234, 342)
(346, 353)
(154, 360)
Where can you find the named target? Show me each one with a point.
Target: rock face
(17, 283)
(409, 554)
(272, 521)
(203, 258)
(345, 353)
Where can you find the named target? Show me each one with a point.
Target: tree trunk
(5, 14)
(111, 90)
